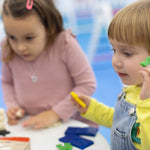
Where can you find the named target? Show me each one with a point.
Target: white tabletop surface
(48, 138)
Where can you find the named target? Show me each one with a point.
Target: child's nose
(116, 61)
(20, 47)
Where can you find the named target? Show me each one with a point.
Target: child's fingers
(85, 100)
(36, 123)
(77, 99)
(31, 121)
(75, 103)
(40, 125)
(12, 121)
(11, 113)
(42, 120)
(148, 70)
(145, 73)
(78, 106)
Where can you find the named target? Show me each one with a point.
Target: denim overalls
(123, 120)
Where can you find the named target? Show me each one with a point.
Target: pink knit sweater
(61, 69)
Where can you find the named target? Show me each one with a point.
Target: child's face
(27, 36)
(126, 62)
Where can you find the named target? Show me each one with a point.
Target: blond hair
(132, 24)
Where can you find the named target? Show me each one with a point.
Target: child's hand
(85, 99)
(145, 92)
(42, 120)
(12, 115)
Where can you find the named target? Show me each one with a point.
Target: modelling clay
(19, 114)
(146, 62)
(22, 139)
(3, 131)
(86, 131)
(67, 146)
(2, 119)
(75, 96)
(76, 141)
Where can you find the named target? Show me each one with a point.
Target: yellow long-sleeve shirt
(103, 115)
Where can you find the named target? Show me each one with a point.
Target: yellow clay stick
(75, 96)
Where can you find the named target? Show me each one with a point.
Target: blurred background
(89, 20)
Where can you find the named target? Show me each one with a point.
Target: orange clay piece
(75, 96)
(21, 139)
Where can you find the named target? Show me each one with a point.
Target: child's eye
(11, 37)
(127, 53)
(29, 38)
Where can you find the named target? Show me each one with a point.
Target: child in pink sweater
(42, 64)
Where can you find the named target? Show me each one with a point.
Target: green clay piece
(146, 62)
(67, 146)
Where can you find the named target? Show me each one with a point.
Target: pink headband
(29, 4)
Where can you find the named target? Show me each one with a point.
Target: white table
(48, 138)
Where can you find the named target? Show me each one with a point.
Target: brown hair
(132, 24)
(45, 9)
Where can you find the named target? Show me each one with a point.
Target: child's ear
(53, 30)
(51, 33)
